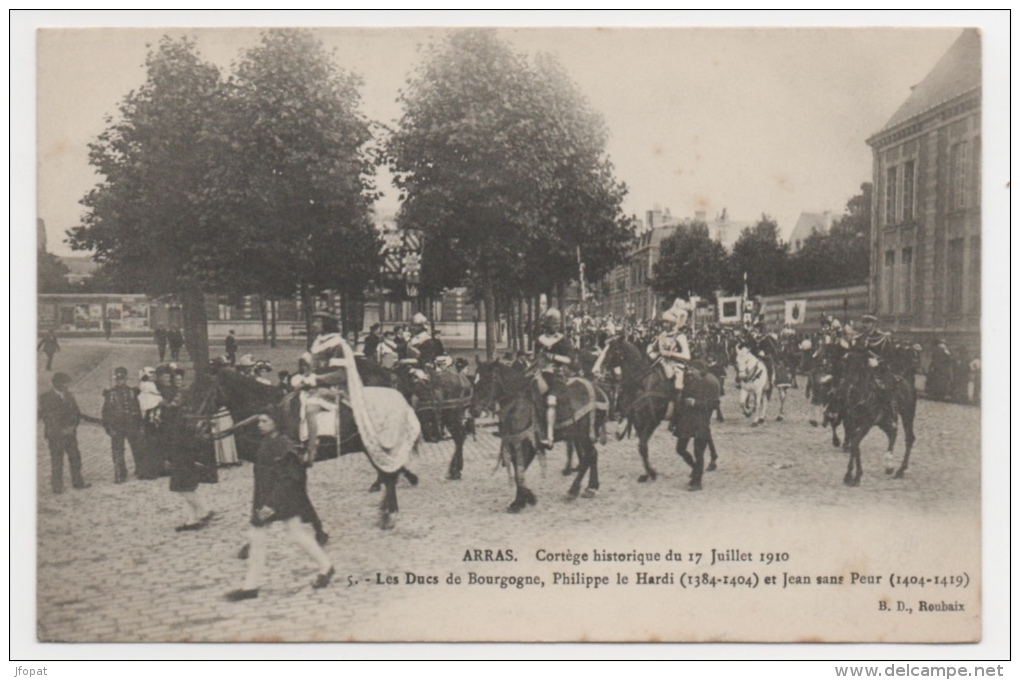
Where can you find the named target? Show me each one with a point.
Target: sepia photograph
(642, 330)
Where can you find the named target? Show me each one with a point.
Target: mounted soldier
(322, 376)
(672, 352)
(425, 358)
(555, 357)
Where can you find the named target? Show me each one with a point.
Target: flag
(795, 312)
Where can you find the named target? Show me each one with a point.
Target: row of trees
(692, 263)
(261, 182)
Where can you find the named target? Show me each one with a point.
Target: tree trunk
(519, 307)
(262, 316)
(561, 302)
(511, 324)
(272, 322)
(306, 307)
(489, 300)
(196, 330)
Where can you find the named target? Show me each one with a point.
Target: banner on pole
(795, 310)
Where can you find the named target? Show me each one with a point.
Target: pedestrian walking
(122, 420)
(175, 340)
(60, 415)
(160, 335)
(280, 495)
(107, 329)
(49, 346)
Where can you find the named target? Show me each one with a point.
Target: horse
(580, 414)
(499, 385)
(245, 397)
(755, 386)
(643, 397)
(867, 405)
(453, 391)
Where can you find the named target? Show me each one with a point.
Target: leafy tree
(144, 220)
(690, 263)
(839, 257)
(502, 166)
(294, 187)
(51, 272)
(760, 253)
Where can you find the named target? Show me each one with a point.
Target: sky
(766, 120)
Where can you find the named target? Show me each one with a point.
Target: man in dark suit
(60, 415)
(122, 418)
(371, 348)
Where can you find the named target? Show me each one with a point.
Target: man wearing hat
(672, 351)
(557, 355)
(230, 347)
(940, 372)
(60, 415)
(122, 419)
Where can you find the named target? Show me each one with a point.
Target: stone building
(925, 278)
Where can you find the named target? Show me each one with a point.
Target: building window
(954, 292)
(889, 282)
(890, 196)
(959, 186)
(908, 191)
(906, 274)
(224, 311)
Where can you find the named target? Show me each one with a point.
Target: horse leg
(456, 427)
(411, 478)
(907, 416)
(582, 467)
(699, 464)
(568, 469)
(592, 454)
(718, 411)
(890, 432)
(650, 473)
(377, 485)
(388, 506)
(515, 460)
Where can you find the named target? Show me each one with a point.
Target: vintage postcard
(633, 334)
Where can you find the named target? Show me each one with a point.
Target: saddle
(576, 399)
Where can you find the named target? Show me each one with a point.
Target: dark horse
(644, 398)
(500, 386)
(866, 405)
(441, 403)
(245, 397)
(579, 417)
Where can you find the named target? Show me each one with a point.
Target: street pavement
(111, 568)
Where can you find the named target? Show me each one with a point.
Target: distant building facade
(925, 277)
(628, 286)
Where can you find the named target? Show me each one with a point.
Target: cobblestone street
(110, 566)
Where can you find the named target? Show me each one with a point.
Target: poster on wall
(134, 315)
(729, 309)
(87, 317)
(114, 311)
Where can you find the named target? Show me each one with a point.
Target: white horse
(755, 388)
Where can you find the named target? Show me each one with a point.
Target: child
(280, 494)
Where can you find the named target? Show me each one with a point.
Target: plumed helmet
(836, 325)
(246, 361)
(552, 315)
(419, 319)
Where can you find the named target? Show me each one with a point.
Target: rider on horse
(879, 348)
(671, 351)
(322, 377)
(556, 355)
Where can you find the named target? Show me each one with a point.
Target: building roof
(809, 223)
(957, 72)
